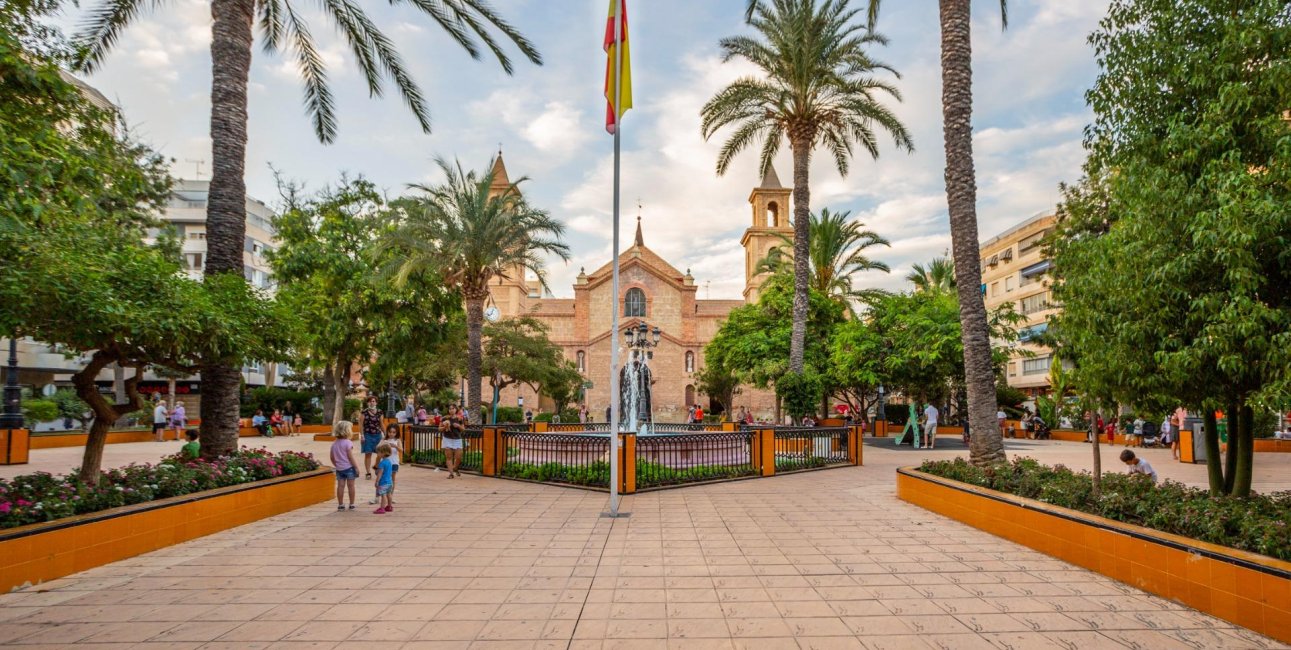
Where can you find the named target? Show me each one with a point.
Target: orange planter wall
(1272, 445)
(41, 552)
(14, 445)
(1250, 590)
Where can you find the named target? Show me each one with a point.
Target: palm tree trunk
(801, 251)
(987, 447)
(226, 203)
(474, 356)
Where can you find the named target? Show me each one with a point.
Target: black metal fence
(809, 448)
(428, 448)
(677, 459)
(575, 459)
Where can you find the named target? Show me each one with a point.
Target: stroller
(1151, 436)
(1041, 428)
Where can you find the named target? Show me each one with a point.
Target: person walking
(930, 414)
(422, 416)
(1001, 418)
(1180, 415)
(373, 432)
(178, 419)
(159, 418)
(452, 428)
(288, 419)
(343, 462)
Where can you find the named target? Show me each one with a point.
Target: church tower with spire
(510, 294)
(770, 204)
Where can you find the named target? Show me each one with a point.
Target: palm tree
(817, 88)
(961, 199)
(470, 233)
(937, 277)
(837, 255)
(283, 28)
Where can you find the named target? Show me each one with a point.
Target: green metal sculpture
(911, 430)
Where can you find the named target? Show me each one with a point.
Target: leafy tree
(817, 87)
(429, 363)
(327, 264)
(856, 363)
(837, 255)
(987, 446)
(88, 283)
(938, 275)
(1173, 262)
(468, 232)
(719, 383)
(753, 343)
(282, 27)
(517, 351)
(564, 384)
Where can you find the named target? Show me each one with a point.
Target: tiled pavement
(825, 559)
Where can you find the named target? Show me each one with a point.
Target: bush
(593, 474)
(69, 405)
(1258, 524)
(510, 414)
(39, 410)
(801, 392)
(33, 498)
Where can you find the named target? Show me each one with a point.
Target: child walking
(396, 452)
(344, 462)
(385, 480)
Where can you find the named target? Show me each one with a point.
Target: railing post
(729, 425)
(540, 427)
(766, 442)
(489, 463)
(854, 445)
(628, 463)
(405, 437)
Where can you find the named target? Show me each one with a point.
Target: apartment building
(1015, 270)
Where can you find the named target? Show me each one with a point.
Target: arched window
(773, 214)
(582, 361)
(690, 362)
(634, 303)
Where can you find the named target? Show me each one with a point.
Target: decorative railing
(678, 459)
(810, 448)
(574, 459)
(427, 448)
(669, 456)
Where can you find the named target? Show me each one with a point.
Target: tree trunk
(340, 381)
(226, 203)
(986, 446)
(170, 390)
(1245, 448)
(801, 251)
(1230, 456)
(105, 413)
(329, 396)
(474, 356)
(1214, 463)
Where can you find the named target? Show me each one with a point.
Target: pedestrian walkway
(827, 559)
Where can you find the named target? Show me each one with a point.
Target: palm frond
(103, 27)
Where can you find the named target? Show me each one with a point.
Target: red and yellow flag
(618, 8)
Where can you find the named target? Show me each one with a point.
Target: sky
(1029, 112)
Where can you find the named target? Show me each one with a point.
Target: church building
(653, 291)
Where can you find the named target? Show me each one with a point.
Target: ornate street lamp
(883, 414)
(12, 416)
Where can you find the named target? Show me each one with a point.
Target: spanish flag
(618, 8)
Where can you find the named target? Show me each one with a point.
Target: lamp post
(12, 416)
(641, 340)
(883, 413)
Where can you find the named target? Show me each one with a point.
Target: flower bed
(1258, 524)
(43, 497)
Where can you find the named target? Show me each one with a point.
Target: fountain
(636, 414)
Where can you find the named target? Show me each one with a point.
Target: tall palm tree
(937, 277)
(837, 255)
(469, 234)
(816, 88)
(961, 198)
(468, 23)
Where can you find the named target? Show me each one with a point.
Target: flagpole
(614, 319)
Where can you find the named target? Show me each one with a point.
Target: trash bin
(1198, 442)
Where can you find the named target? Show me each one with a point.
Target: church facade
(650, 290)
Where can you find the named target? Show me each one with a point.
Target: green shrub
(1258, 524)
(508, 414)
(39, 410)
(69, 405)
(596, 474)
(801, 392)
(268, 398)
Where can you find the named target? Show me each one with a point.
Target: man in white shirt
(1000, 417)
(930, 425)
(159, 417)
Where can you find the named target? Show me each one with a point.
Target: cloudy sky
(1028, 115)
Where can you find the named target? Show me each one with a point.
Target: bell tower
(770, 204)
(510, 294)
